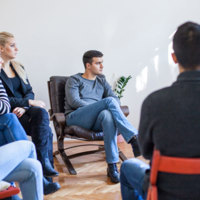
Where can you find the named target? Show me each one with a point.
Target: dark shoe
(113, 173)
(50, 187)
(48, 170)
(135, 146)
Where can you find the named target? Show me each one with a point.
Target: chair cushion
(83, 133)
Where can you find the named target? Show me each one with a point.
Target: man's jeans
(131, 179)
(10, 129)
(18, 163)
(106, 116)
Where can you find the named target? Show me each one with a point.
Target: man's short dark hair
(186, 45)
(87, 56)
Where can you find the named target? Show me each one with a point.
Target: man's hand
(38, 103)
(19, 111)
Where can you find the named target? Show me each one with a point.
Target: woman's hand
(36, 103)
(19, 111)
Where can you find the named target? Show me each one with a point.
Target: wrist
(30, 101)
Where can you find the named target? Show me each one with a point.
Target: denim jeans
(104, 115)
(18, 163)
(10, 129)
(131, 179)
(35, 121)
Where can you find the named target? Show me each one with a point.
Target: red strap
(152, 193)
(9, 192)
(169, 164)
(179, 165)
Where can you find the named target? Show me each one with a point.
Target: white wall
(134, 36)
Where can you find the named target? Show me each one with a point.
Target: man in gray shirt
(90, 103)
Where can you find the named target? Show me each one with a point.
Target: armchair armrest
(59, 118)
(125, 110)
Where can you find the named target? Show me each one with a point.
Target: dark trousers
(36, 124)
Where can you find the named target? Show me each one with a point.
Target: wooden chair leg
(61, 150)
(66, 159)
(67, 162)
(121, 155)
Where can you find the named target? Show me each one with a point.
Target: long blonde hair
(4, 36)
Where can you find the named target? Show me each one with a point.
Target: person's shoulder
(157, 95)
(74, 78)
(101, 78)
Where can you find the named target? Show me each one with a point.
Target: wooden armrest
(125, 110)
(60, 118)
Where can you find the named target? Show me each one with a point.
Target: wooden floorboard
(91, 182)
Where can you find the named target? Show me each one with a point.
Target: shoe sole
(53, 175)
(55, 190)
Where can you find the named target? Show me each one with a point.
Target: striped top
(4, 102)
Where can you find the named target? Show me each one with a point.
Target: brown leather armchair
(56, 88)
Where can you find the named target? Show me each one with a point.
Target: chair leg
(67, 162)
(61, 150)
(121, 155)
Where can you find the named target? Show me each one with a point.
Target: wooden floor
(91, 182)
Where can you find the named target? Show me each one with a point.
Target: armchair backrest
(169, 164)
(56, 87)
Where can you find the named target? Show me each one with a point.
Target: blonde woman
(30, 112)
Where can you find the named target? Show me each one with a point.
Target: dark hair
(88, 55)
(186, 45)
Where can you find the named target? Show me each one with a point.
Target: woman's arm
(4, 102)
(24, 101)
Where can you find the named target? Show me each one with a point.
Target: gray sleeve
(108, 92)
(72, 94)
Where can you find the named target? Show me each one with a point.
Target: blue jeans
(104, 115)
(18, 163)
(35, 121)
(131, 179)
(10, 129)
